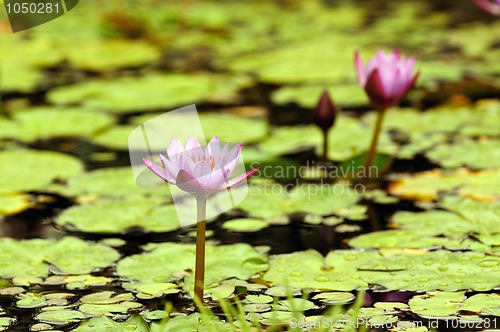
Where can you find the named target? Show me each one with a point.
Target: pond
(315, 240)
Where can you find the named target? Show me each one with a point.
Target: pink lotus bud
(325, 114)
(491, 6)
(387, 78)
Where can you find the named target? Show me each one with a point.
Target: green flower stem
(199, 272)
(373, 144)
(325, 146)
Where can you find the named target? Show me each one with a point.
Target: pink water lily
(200, 170)
(491, 6)
(387, 78)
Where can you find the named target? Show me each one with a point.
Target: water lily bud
(387, 78)
(491, 6)
(325, 114)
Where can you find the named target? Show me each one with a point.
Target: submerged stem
(199, 271)
(373, 144)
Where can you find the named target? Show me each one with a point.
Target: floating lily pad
(427, 271)
(113, 182)
(151, 92)
(67, 255)
(228, 127)
(268, 199)
(161, 261)
(60, 317)
(448, 305)
(134, 324)
(193, 322)
(14, 203)
(308, 269)
(245, 225)
(476, 155)
(107, 303)
(114, 216)
(425, 186)
(152, 290)
(44, 123)
(17, 168)
(111, 54)
(308, 96)
(415, 238)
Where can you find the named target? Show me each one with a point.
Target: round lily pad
(114, 216)
(17, 168)
(133, 324)
(245, 225)
(67, 255)
(150, 92)
(110, 182)
(222, 262)
(45, 122)
(477, 155)
(107, 55)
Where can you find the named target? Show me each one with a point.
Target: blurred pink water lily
(387, 78)
(200, 170)
(491, 6)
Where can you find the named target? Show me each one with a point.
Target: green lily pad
(332, 298)
(67, 255)
(17, 168)
(296, 305)
(152, 290)
(474, 211)
(427, 271)
(447, 304)
(134, 324)
(150, 92)
(425, 186)
(442, 222)
(222, 262)
(106, 303)
(228, 127)
(485, 123)
(115, 137)
(415, 238)
(31, 300)
(14, 203)
(19, 78)
(100, 56)
(113, 182)
(44, 123)
(115, 216)
(307, 96)
(245, 225)
(308, 269)
(60, 317)
(6, 322)
(268, 199)
(478, 155)
(193, 322)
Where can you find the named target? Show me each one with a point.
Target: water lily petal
(188, 183)
(240, 179)
(158, 171)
